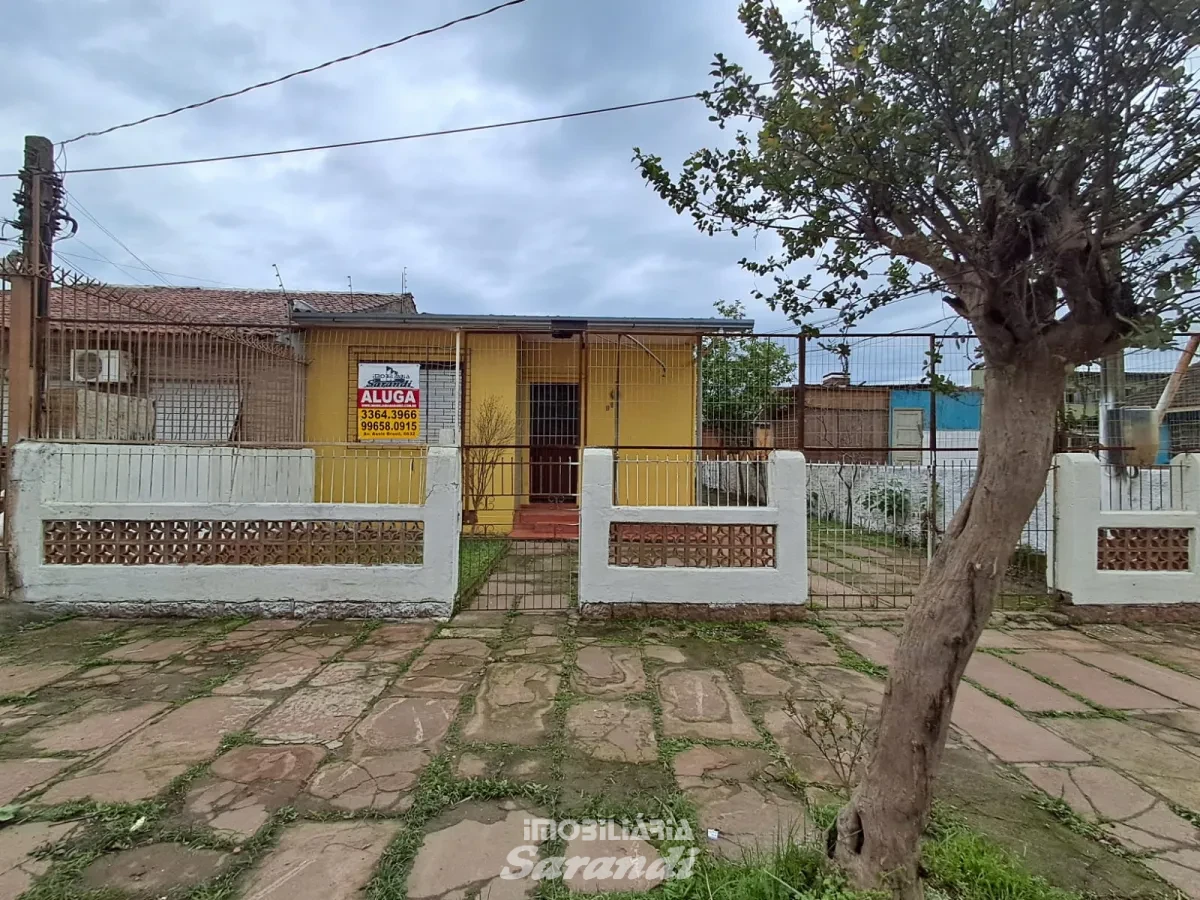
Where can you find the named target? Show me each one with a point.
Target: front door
(554, 443)
(907, 432)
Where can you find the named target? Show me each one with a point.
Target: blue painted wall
(955, 412)
(961, 412)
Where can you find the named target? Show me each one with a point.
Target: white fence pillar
(1073, 563)
(1076, 508)
(443, 522)
(784, 583)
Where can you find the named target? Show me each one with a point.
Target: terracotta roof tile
(209, 306)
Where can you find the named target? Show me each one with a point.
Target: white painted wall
(786, 583)
(1079, 485)
(390, 591)
(166, 473)
(953, 446)
(830, 486)
(1151, 488)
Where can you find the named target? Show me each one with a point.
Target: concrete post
(1188, 466)
(787, 491)
(443, 513)
(1076, 510)
(595, 516)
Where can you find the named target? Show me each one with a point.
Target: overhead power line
(127, 268)
(99, 257)
(71, 201)
(384, 140)
(307, 71)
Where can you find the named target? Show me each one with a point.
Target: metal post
(933, 395)
(800, 394)
(1112, 398)
(617, 395)
(20, 358)
(931, 501)
(458, 392)
(583, 393)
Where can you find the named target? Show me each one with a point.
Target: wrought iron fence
(889, 422)
(654, 477)
(874, 527)
(130, 365)
(1143, 489)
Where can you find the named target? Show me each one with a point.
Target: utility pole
(38, 218)
(39, 200)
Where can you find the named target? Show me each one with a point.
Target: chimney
(836, 379)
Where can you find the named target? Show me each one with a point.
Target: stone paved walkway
(296, 760)
(532, 576)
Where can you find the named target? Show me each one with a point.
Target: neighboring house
(842, 422)
(912, 422)
(859, 423)
(1180, 427)
(175, 364)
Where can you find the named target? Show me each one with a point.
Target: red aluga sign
(389, 398)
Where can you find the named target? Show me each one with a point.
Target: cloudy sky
(547, 218)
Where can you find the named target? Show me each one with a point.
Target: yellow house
(522, 395)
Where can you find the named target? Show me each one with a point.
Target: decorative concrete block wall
(717, 558)
(223, 543)
(1102, 556)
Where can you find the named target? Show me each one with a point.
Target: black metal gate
(520, 542)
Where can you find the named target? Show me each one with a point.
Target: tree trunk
(879, 830)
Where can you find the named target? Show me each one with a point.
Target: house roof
(381, 317)
(1187, 395)
(205, 306)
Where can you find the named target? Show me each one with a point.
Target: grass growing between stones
(365, 630)
(729, 632)
(960, 864)
(10, 636)
(476, 559)
(1024, 824)
(106, 828)
(226, 886)
(1097, 710)
(1062, 811)
(1189, 815)
(791, 872)
(1159, 661)
(437, 790)
(18, 699)
(982, 688)
(848, 657)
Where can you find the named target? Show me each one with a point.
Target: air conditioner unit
(100, 366)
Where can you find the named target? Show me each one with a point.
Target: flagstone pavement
(296, 759)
